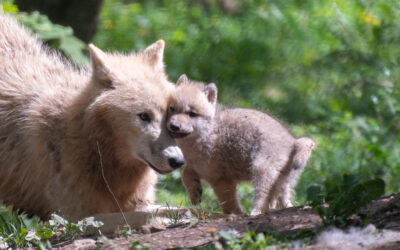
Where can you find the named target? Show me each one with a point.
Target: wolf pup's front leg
(192, 183)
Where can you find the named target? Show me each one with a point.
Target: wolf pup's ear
(101, 73)
(211, 92)
(183, 79)
(154, 54)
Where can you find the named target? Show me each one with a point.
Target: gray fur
(225, 146)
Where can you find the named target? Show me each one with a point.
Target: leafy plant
(56, 36)
(137, 245)
(251, 240)
(8, 7)
(125, 231)
(19, 231)
(344, 199)
(67, 230)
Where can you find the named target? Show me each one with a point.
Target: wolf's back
(15, 38)
(36, 85)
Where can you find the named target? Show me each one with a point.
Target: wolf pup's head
(130, 97)
(191, 108)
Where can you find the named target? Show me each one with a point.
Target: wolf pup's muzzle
(176, 132)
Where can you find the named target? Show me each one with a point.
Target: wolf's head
(130, 97)
(191, 108)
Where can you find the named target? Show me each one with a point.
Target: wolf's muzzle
(174, 127)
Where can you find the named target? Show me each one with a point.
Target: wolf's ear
(211, 92)
(183, 79)
(101, 73)
(154, 54)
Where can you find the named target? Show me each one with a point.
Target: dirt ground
(383, 213)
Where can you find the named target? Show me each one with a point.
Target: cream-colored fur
(227, 146)
(71, 139)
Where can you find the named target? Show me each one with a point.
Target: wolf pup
(227, 146)
(81, 141)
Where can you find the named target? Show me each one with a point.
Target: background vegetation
(328, 69)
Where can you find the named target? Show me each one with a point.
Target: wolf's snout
(176, 162)
(174, 127)
(178, 129)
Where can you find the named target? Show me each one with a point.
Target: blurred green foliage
(342, 197)
(54, 35)
(329, 69)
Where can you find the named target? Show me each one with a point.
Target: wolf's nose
(174, 127)
(176, 162)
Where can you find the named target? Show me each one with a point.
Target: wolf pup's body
(227, 146)
(80, 142)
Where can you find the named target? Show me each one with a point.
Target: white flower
(32, 236)
(3, 243)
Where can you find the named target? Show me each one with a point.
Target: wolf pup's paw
(195, 195)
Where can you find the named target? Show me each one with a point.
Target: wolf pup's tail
(302, 151)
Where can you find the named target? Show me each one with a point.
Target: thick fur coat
(226, 146)
(81, 141)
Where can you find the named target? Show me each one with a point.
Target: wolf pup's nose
(174, 127)
(176, 162)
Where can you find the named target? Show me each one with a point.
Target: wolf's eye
(144, 117)
(192, 114)
(171, 108)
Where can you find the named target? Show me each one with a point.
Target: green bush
(343, 197)
(54, 35)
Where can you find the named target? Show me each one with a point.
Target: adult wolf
(81, 141)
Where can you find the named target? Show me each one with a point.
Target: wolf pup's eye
(192, 114)
(144, 117)
(171, 108)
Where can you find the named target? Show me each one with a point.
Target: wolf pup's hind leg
(265, 172)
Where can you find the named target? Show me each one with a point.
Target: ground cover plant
(343, 198)
(20, 231)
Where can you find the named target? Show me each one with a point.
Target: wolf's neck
(94, 141)
(106, 170)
